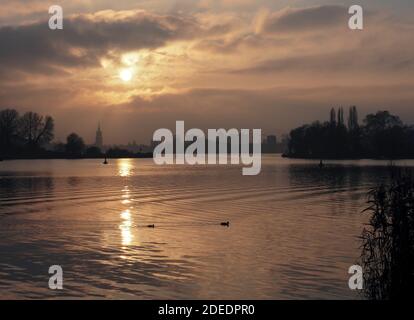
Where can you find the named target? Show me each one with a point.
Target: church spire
(99, 137)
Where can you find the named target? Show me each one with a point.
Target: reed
(388, 239)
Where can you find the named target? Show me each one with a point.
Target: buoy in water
(321, 165)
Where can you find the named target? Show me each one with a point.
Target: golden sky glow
(136, 66)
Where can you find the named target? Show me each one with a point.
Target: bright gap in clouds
(126, 75)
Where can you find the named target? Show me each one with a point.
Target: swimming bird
(151, 226)
(225, 224)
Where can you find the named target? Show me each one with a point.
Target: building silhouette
(99, 137)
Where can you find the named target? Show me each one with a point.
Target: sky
(136, 66)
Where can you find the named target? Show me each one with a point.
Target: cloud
(274, 110)
(316, 41)
(86, 38)
(305, 19)
(343, 62)
(219, 68)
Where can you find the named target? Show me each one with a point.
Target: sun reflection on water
(125, 227)
(125, 171)
(124, 167)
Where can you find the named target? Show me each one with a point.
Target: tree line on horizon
(380, 136)
(25, 133)
(30, 136)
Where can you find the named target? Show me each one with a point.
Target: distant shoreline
(54, 157)
(349, 158)
(150, 155)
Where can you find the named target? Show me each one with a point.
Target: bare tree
(9, 120)
(36, 130)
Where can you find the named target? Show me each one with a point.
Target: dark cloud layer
(84, 39)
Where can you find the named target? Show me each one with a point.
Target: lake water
(293, 229)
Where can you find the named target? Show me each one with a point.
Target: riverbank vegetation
(380, 136)
(388, 240)
(29, 136)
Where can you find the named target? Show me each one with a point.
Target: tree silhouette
(24, 136)
(333, 117)
(340, 117)
(353, 119)
(383, 135)
(9, 122)
(74, 145)
(36, 130)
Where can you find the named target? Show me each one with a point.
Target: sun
(126, 75)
